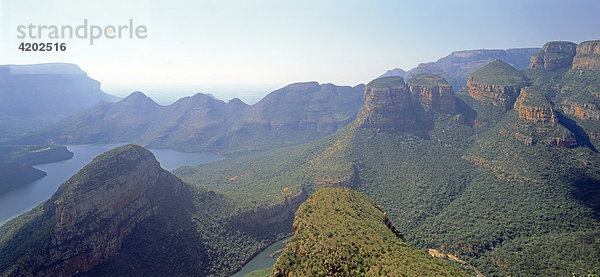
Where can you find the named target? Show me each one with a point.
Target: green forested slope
(342, 232)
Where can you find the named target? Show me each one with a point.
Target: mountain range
(297, 113)
(500, 178)
(457, 66)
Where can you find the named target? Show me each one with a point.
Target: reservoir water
(28, 196)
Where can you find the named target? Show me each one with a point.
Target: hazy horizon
(246, 50)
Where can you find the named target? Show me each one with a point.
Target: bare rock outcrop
(389, 105)
(588, 56)
(587, 111)
(554, 55)
(567, 140)
(532, 105)
(257, 218)
(432, 92)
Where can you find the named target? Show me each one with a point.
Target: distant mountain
(295, 114)
(342, 232)
(37, 95)
(394, 72)
(457, 66)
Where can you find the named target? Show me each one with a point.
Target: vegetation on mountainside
(23, 235)
(342, 232)
(498, 73)
(260, 179)
(428, 79)
(436, 198)
(387, 82)
(536, 97)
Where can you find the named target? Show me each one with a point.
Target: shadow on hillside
(424, 123)
(582, 137)
(465, 110)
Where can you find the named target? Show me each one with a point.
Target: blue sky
(248, 48)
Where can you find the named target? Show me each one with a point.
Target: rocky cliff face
(586, 111)
(541, 120)
(588, 56)
(497, 95)
(387, 97)
(262, 217)
(554, 55)
(533, 106)
(95, 209)
(390, 106)
(567, 140)
(496, 84)
(432, 92)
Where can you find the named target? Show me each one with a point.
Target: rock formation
(432, 92)
(567, 140)
(91, 213)
(496, 84)
(390, 106)
(532, 105)
(588, 56)
(554, 55)
(587, 111)
(267, 216)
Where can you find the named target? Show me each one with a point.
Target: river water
(28, 196)
(263, 259)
